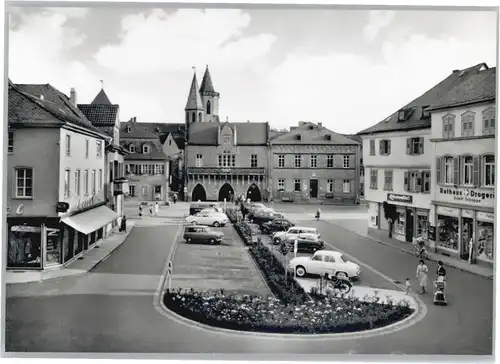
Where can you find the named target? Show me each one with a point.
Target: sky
(348, 69)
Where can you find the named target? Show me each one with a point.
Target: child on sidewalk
(408, 286)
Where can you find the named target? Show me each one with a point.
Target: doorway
(253, 193)
(313, 188)
(225, 192)
(466, 237)
(199, 193)
(409, 225)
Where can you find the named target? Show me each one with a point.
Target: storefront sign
(473, 196)
(447, 211)
(26, 229)
(486, 216)
(468, 213)
(20, 209)
(396, 197)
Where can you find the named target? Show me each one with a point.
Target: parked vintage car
(208, 218)
(325, 262)
(307, 243)
(202, 234)
(213, 209)
(277, 224)
(196, 207)
(293, 233)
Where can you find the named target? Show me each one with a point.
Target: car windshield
(341, 259)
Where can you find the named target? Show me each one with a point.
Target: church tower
(210, 98)
(194, 106)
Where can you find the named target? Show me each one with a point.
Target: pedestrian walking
(441, 272)
(408, 286)
(151, 210)
(157, 208)
(175, 198)
(140, 211)
(422, 271)
(123, 224)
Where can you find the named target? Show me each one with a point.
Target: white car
(293, 233)
(325, 262)
(208, 218)
(213, 209)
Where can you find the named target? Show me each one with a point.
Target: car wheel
(342, 275)
(277, 241)
(216, 224)
(313, 249)
(211, 241)
(301, 271)
(188, 240)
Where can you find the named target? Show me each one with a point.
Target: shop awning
(91, 220)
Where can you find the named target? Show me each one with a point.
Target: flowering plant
(253, 313)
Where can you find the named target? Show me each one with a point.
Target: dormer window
(328, 137)
(401, 115)
(298, 137)
(157, 129)
(146, 149)
(426, 114)
(131, 148)
(311, 127)
(128, 128)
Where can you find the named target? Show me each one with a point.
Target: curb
(410, 252)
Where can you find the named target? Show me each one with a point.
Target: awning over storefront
(91, 220)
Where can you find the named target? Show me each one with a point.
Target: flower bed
(250, 313)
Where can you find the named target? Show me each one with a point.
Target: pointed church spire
(101, 98)
(206, 83)
(194, 99)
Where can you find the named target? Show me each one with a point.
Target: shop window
(281, 161)
(485, 240)
(53, 245)
(422, 226)
(448, 232)
(489, 170)
(468, 123)
(415, 146)
(24, 183)
(68, 243)
(467, 171)
(372, 147)
(384, 147)
(313, 161)
(297, 161)
(329, 161)
(388, 178)
(400, 223)
(297, 185)
(281, 185)
(24, 249)
(373, 178)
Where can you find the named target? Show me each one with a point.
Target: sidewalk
(382, 237)
(179, 209)
(91, 259)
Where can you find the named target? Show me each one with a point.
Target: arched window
(209, 107)
(448, 170)
(193, 117)
(489, 170)
(467, 171)
(199, 117)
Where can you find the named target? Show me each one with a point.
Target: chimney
(320, 125)
(72, 96)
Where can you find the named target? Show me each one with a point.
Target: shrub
(250, 313)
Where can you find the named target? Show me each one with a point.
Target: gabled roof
(100, 115)
(55, 107)
(415, 116)
(101, 98)
(206, 84)
(477, 84)
(246, 133)
(311, 133)
(137, 131)
(194, 99)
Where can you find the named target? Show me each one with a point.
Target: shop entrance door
(157, 195)
(466, 237)
(409, 225)
(313, 187)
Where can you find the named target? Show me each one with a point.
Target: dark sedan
(278, 224)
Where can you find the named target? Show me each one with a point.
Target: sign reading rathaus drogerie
(475, 196)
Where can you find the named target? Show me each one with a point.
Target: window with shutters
(467, 175)
(297, 161)
(468, 123)
(373, 178)
(488, 170)
(372, 147)
(388, 178)
(426, 181)
(281, 161)
(489, 121)
(415, 146)
(329, 161)
(414, 181)
(449, 168)
(385, 147)
(448, 126)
